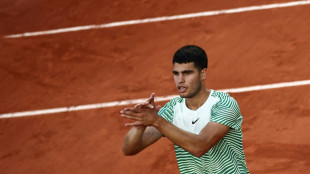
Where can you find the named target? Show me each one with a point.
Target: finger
(136, 123)
(140, 105)
(129, 110)
(134, 110)
(131, 117)
(148, 106)
(148, 100)
(151, 99)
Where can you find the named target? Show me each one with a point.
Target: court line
(157, 99)
(159, 19)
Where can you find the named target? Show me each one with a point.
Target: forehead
(184, 66)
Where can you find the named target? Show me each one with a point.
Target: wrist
(157, 121)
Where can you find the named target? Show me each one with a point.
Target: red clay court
(127, 62)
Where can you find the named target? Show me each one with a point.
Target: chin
(187, 95)
(183, 95)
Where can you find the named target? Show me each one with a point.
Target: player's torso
(193, 121)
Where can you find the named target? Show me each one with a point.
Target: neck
(195, 102)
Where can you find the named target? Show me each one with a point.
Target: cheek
(194, 82)
(175, 79)
(191, 83)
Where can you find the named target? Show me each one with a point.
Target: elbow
(127, 151)
(198, 151)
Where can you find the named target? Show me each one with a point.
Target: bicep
(150, 136)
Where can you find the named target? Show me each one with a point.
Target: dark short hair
(191, 53)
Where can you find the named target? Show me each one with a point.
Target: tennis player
(203, 124)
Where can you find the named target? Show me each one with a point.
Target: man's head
(191, 53)
(189, 69)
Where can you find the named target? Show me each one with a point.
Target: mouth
(182, 89)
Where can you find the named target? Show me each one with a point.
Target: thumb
(151, 99)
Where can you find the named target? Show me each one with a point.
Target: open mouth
(182, 89)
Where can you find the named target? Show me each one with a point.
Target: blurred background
(100, 65)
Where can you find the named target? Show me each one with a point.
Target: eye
(187, 72)
(175, 73)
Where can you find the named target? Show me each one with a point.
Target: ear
(203, 74)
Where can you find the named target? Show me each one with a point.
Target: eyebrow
(185, 71)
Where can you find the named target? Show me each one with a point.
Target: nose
(180, 78)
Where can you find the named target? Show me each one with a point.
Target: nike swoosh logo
(193, 122)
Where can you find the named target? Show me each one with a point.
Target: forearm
(138, 138)
(193, 143)
(132, 143)
(158, 126)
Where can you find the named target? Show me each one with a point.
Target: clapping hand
(144, 114)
